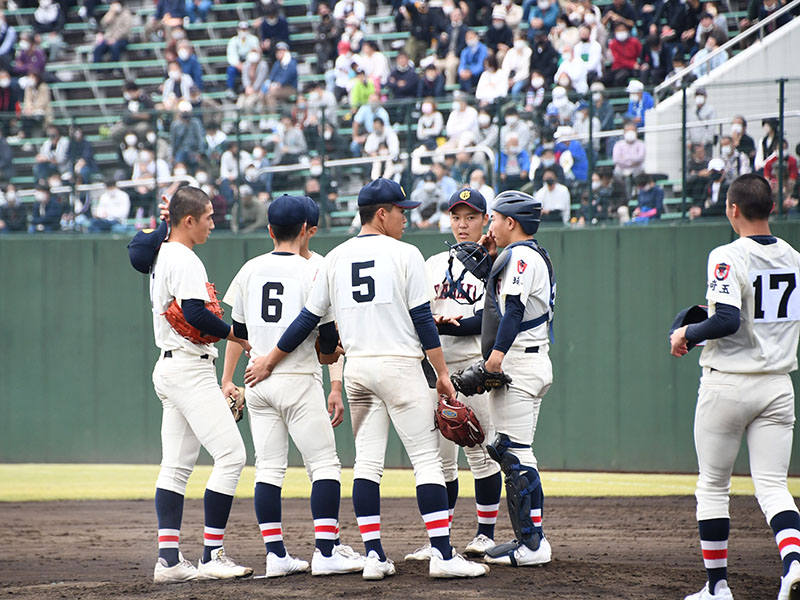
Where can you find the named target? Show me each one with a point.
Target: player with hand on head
(457, 310)
(518, 309)
(195, 410)
(380, 296)
(266, 295)
(745, 389)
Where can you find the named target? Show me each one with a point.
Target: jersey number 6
(271, 306)
(360, 280)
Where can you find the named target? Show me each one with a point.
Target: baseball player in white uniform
(745, 389)
(195, 410)
(457, 309)
(515, 339)
(380, 296)
(266, 295)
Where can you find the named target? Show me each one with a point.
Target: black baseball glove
(475, 379)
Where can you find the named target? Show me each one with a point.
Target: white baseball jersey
(316, 260)
(371, 282)
(455, 348)
(526, 275)
(761, 281)
(178, 274)
(267, 294)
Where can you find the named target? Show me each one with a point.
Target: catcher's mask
(476, 260)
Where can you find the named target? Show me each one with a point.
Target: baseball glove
(475, 379)
(174, 316)
(236, 404)
(458, 423)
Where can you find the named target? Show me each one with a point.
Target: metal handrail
(732, 42)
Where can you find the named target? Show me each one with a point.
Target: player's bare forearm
(233, 352)
(335, 403)
(262, 367)
(443, 384)
(494, 364)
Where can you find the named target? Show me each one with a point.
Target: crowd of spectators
(517, 78)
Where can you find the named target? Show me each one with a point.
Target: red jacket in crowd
(625, 53)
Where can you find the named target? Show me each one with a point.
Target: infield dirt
(602, 548)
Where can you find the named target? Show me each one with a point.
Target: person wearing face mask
(425, 23)
(80, 155)
(656, 60)
(114, 34)
(541, 15)
(650, 200)
(608, 196)
(176, 87)
(741, 140)
(187, 59)
(169, 14)
(374, 63)
(451, 43)
(628, 154)
(10, 98)
(48, 21)
(517, 127)
(344, 8)
(197, 10)
(403, 81)
(534, 93)
(704, 68)
(430, 199)
(574, 68)
(364, 120)
(555, 199)
(111, 210)
(138, 116)
(429, 125)
(767, 145)
(512, 13)
(52, 157)
(498, 37)
(46, 211)
(291, 144)
(602, 107)
(702, 112)
(789, 168)
(619, 11)
(625, 52)
(487, 132)
(30, 58)
(274, 28)
(432, 83)
(13, 215)
(736, 163)
(382, 135)
(513, 164)
(639, 102)
(282, 82)
(716, 192)
(8, 40)
(547, 160)
(248, 215)
(544, 57)
(590, 52)
(493, 82)
(517, 64)
(472, 61)
(254, 76)
(477, 181)
(187, 137)
(327, 32)
(238, 48)
(462, 120)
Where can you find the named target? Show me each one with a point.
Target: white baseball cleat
(479, 545)
(183, 571)
(420, 554)
(221, 566)
(723, 592)
(455, 566)
(790, 583)
(336, 563)
(519, 555)
(375, 568)
(281, 566)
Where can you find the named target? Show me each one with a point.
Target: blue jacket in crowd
(472, 59)
(277, 33)
(175, 8)
(284, 75)
(192, 67)
(636, 110)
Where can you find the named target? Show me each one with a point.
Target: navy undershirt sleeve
(328, 338)
(468, 326)
(426, 327)
(239, 330)
(509, 324)
(298, 331)
(725, 321)
(197, 315)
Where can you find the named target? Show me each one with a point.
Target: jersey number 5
(771, 303)
(271, 306)
(360, 280)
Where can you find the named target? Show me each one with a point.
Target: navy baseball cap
(312, 212)
(144, 247)
(472, 198)
(384, 191)
(287, 210)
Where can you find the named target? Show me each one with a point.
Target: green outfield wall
(78, 352)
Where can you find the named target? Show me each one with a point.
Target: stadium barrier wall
(78, 353)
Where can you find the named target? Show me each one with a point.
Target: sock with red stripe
(169, 510)
(452, 498)
(537, 508)
(786, 526)
(487, 503)
(267, 500)
(432, 503)
(367, 506)
(714, 544)
(217, 509)
(325, 495)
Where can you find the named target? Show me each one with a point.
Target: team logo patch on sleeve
(721, 271)
(521, 266)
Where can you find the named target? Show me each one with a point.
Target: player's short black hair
(286, 233)
(367, 213)
(187, 201)
(753, 195)
(550, 170)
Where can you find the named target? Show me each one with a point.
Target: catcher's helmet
(476, 260)
(521, 207)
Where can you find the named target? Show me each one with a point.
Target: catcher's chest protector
(491, 307)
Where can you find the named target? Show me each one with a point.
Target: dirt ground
(602, 548)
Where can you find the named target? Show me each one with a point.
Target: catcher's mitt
(458, 423)
(174, 316)
(475, 379)
(236, 404)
